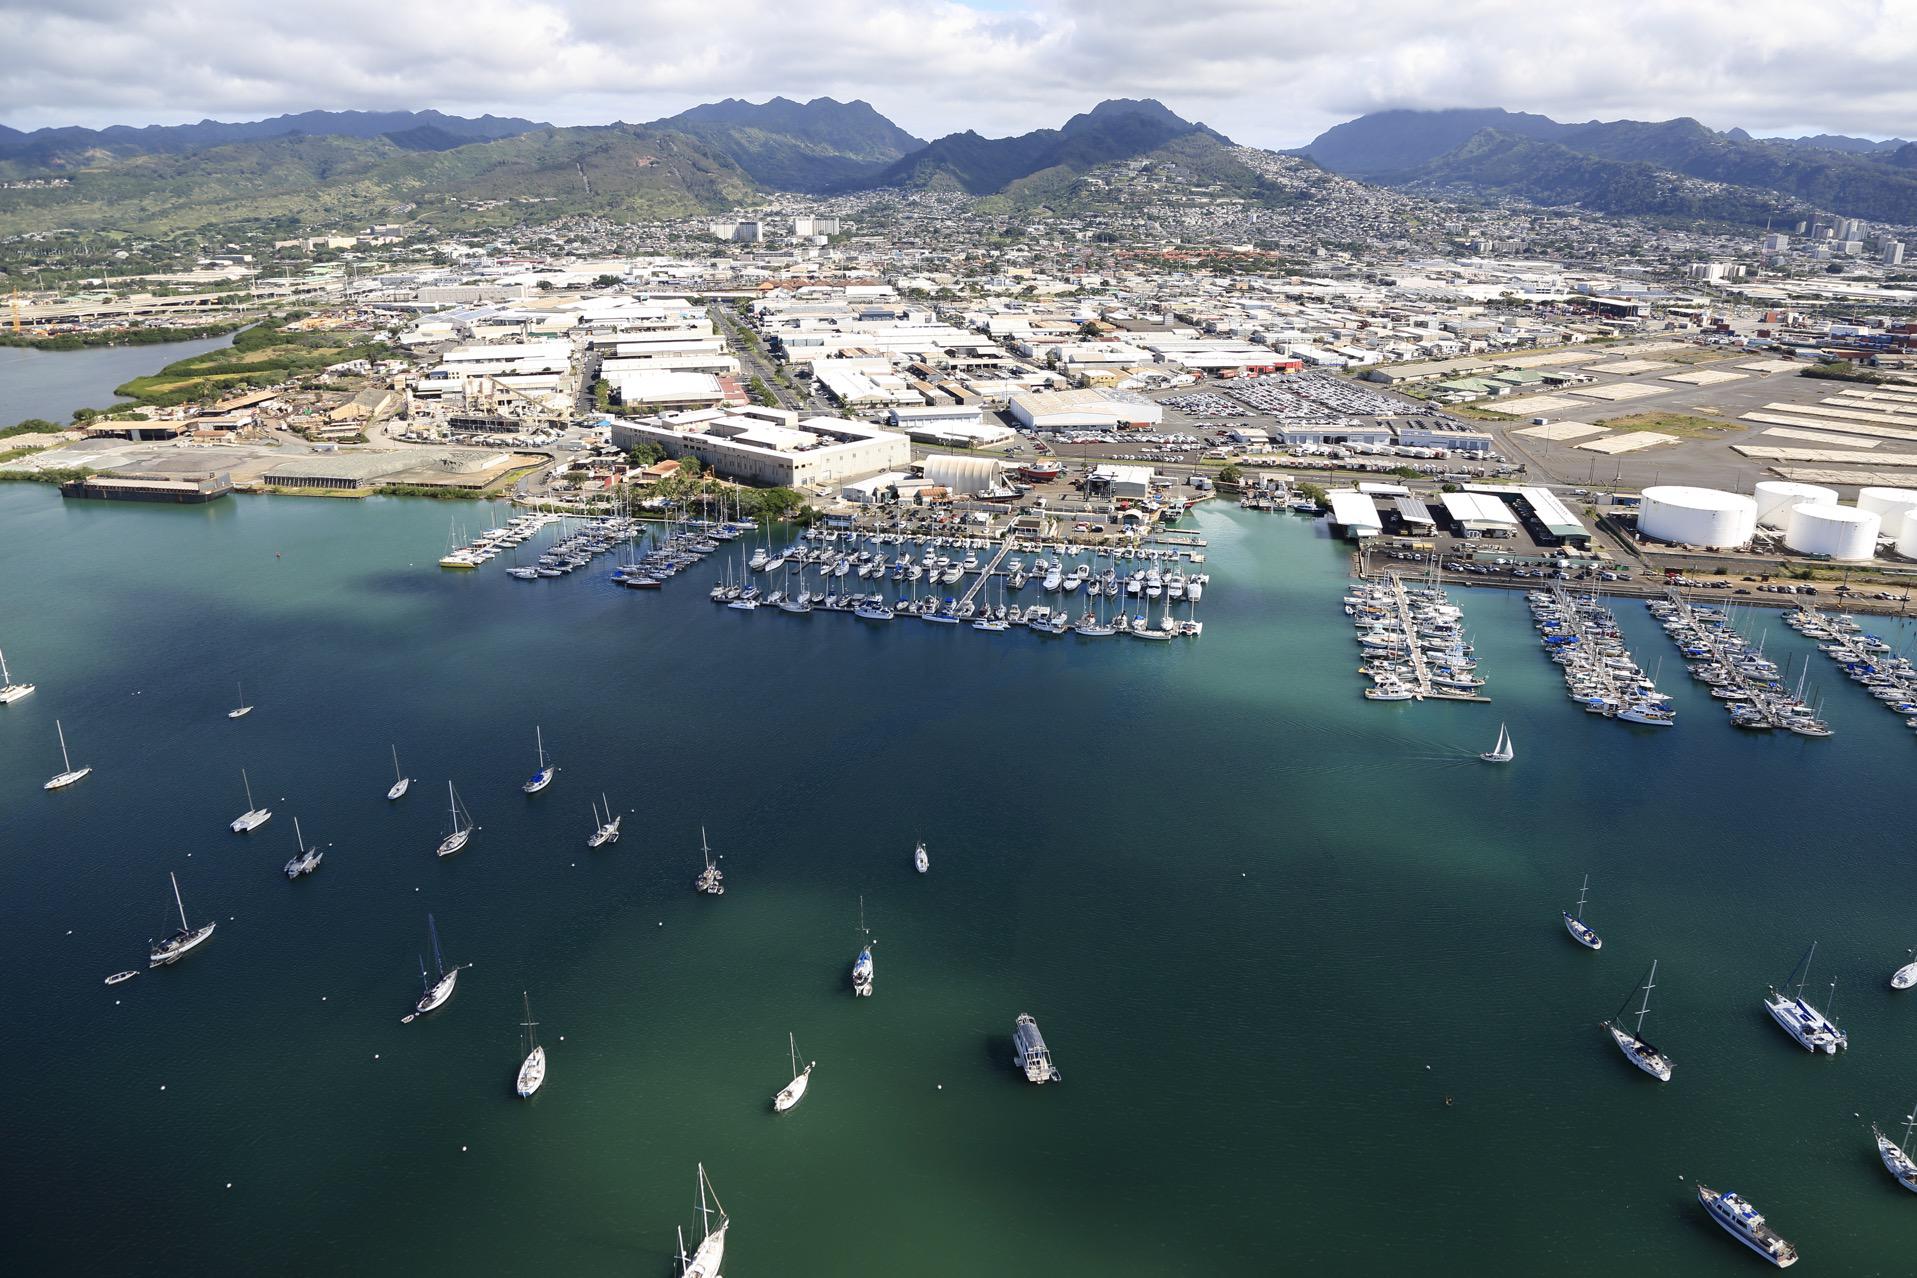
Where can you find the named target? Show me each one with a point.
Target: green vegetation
(646, 453)
(602, 394)
(1312, 492)
(119, 337)
(57, 476)
(1229, 475)
(1842, 371)
(437, 492)
(32, 426)
(1682, 425)
(264, 355)
(763, 393)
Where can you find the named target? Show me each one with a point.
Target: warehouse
(1546, 517)
(1480, 515)
(771, 445)
(1355, 512)
(1082, 410)
(967, 476)
(666, 392)
(1133, 482)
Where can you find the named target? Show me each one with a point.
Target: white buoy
(462, 1149)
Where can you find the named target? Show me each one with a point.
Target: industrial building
(967, 476)
(1089, 409)
(1355, 512)
(666, 392)
(1479, 514)
(771, 445)
(1133, 482)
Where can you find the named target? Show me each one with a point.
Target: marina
(1739, 675)
(1413, 642)
(1865, 659)
(1582, 636)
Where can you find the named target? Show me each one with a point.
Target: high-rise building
(1893, 252)
(1777, 242)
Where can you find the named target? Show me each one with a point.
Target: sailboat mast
(249, 789)
(66, 763)
(396, 772)
(1582, 892)
(439, 960)
(1650, 983)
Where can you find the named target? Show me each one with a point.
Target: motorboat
(1743, 1222)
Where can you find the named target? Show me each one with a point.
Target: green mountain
(60, 148)
(797, 146)
(1388, 144)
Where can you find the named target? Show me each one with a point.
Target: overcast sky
(1267, 72)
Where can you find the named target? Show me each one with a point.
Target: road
(751, 354)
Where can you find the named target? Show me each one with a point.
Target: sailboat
(710, 881)
(1896, 1155)
(705, 1260)
(543, 777)
(1813, 1030)
(10, 691)
(253, 818)
(920, 861)
(400, 779)
(1631, 1042)
(1575, 925)
(862, 965)
(1501, 752)
(306, 860)
(795, 1090)
(463, 826)
(434, 992)
(68, 774)
(532, 1071)
(606, 829)
(182, 942)
(240, 709)
(1906, 976)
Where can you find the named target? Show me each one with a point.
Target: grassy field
(1682, 425)
(265, 355)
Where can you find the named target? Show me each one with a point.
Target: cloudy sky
(1268, 72)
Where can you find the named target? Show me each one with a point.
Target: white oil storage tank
(1835, 532)
(1892, 505)
(1697, 516)
(1775, 497)
(1907, 540)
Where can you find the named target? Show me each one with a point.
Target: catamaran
(1906, 976)
(862, 965)
(1501, 752)
(710, 881)
(435, 992)
(1813, 1030)
(462, 828)
(10, 691)
(543, 777)
(240, 709)
(306, 860)
(1631, 1042)
(68, 774)
(182, 942)
(532, 1071)
(920, 861)
(795, 1090)
(1575, 925)
(253, 818)
(1742, 1222)
(605, 829)
(400, 779)
(1896, 1155)
(705, 1260)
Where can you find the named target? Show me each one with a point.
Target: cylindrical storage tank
(1907, 540)
(1775, 497)
(1697, 516)
(1835, 532)
(1892, 505)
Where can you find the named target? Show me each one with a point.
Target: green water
(1266, 926)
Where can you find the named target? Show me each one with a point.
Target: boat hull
(1641, 1054)
(65, 779)
(171, 953)
(454, 842)
(794, 1092)
(247, 822)
(532, 1073)
(399, 788)
(435, 998)
(539, 780)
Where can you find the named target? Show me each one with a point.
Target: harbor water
(1297, 956)
(52, 384)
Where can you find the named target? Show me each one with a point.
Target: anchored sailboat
(68, 774)
(1813, 1030)
(306, 860)
(532, 1071)
(462, 824)
(254, 817)
(1906, 976)
(1631, 1042)
(182, 942)
(920, 860)
(400, 779)
(862, 965)
(10, 691)
(795, 1090)
(434, 992)
(606, 828)
(240, 709)
(705, 1260)
(1575, 925)
(1896, 1154)
(710, 881)
(1501, 752)
(547, 769)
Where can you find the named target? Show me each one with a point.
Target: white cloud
(1272, 72)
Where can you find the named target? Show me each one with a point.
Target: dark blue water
(52, 384)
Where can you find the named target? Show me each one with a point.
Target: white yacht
(434, 993)
(240, 709)
(1896, 1156)
(1502, 751)
(542, 778)
(1575, 924)
(532, 1071)
(1742, 1222)
(920, 861)
(400, 779)
(862, 965)
(10, 691)
(606, 828)
(462, 824)
(1029, 1052)
(254, 817)
(794, 1091)
(1631, 1042)
(706, 1258)
(182, 942)
(306, 860)
(68, 774)
(1812, 1029)
(711, 880)
(1906, 976)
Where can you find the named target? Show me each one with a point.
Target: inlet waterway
(52, 384)
(1297, 955)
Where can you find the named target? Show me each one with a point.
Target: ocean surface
(52, 384)
(1298, 956)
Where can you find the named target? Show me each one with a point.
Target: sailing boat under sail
(532, 1071)
(10, 691)
(254, 817)
(1631, 1042)
(705, 1260)
(1501, 752)
(182, 942)
(462, 824)
(434, 992)
(542, 778)
(68, 774)
(795, 1090)
(240, 709)
(400, 779)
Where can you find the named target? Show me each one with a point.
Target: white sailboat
(253, 818)
(306, 860)
(240, 709)
(705, 1260)
(400, 779)
(1575, 924)
(606, 828)
(434, 993)
(1906, 976)
(68, 774)
(462, 823)
(711, 880)
(920, 860)
(795, 1090)
(1501, 752)
(862, 968)
(1896, 1155)
(542, 778)
(532, 1071)
(182, 942)
(10, 691)
(1631, 1042)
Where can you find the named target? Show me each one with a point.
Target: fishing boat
(794, 1091)
(1501, 752)
(462, 824)
(1906, 976)
(1896, 1155)
(240, 709)
(532, 1071)
(306, 860)
(68, 774)
(400, 779)
(542, 778)
(1743, 1222)
(1813, 1030)
(254, 817)
(862, 965)
(706, 1258)
(1631, 1042)
(1575, 925)
(434, 992)
(1029, 1052)
(120, 977)
(183, 942)
(920, 860)
(606, 829)
(711, 880)
(10, 691)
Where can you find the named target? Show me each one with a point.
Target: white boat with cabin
(606, 828)
(181, 943)
(240, 709)
(434, 992)
(400, 779)
(1743, 1222)
(547, 769)
(532, 1071)
(920, 861)
(1631, 1042)
(306, 860)
(254, 817)
(794, 1091)
(1813, 1030)
(705, 1260)
(68, 774)
(10, 691)
(462, 825)
(1574, 923)
(1502, 751)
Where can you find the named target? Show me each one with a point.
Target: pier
(1414, 648)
